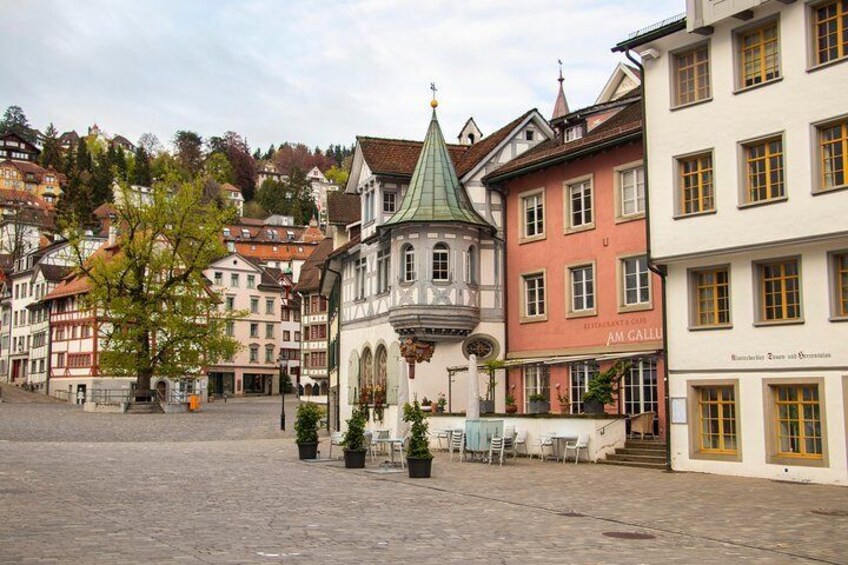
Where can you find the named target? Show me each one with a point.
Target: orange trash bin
(194, 403)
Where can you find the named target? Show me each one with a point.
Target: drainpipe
(659, 270)
(338, 349)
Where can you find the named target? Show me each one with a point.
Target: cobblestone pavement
(251, 501)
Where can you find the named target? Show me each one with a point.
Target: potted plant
(441, 403)
(562, 398)
(603, 387)
(306, 428)
(511, 406)
(539, 404)
(426, 405)
(354, 441)
(487, 405)
(419, 460)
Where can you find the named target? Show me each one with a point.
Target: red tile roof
(343, 209)
(310, 273)
(623, 124)
(275, 251)
(482, 148)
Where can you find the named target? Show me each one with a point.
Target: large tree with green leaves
(188, 147)
(51, 151)
(163, 319)
(15, 121)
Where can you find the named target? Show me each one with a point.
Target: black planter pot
(539, 407)
(593, 407)
(354, 459)
(487, 406)
(308, 450)
(419, 468)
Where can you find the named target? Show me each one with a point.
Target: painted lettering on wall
(633, 335)
(777, 356)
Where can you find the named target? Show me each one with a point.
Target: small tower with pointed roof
(561, 104)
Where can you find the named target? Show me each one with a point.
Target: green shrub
(419, 445)
(306, 422)
(354, 438)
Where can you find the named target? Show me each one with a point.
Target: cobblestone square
(225, 486)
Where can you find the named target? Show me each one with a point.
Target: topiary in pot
(603, 387)
(539, 404)
(354, 440)
(306, 428)
(419, 459)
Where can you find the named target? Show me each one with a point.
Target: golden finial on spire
(433, 102)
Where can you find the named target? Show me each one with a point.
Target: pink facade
(590, 254)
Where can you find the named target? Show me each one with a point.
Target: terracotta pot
(511, 408)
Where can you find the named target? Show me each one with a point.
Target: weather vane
(560, 69)
(434, 102)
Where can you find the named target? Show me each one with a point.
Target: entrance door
(639, 388)
(161, 390)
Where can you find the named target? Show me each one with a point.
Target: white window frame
(583, 189)
(407, 263)
(622, 187)
(536, 198)
(540, 301)
(440, 271)
(389, 201)
(583, 292)
(624, 304)
(536, 380)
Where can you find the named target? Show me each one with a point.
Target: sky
(311, 71)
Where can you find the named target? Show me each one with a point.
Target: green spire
(434, 193)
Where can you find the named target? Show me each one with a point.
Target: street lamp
(283, 363)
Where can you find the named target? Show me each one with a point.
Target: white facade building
(747, 156)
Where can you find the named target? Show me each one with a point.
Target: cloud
(300, 70)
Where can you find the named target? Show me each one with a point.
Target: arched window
(324, 388)
(407, 263)
(380, 360)
(471, 265)
(308, 390)
(366, 374)
(441, 262)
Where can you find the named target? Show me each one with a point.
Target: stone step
(144, 408)
(644, 445)
(658, 466)
(640, 451)
(630, 457)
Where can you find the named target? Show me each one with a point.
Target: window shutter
(353, 378)
(392, 373)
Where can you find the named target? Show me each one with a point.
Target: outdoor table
(557, 438)
(377, 434)
(391, 442)
(479, 434)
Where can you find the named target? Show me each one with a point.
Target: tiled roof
(104, 210)
(27, 167)
(279, 251)
(55, 273)
(76, 282)
(344, 248)
(310, 273)
(262, 232)
(342, 208)
(397, 156)
(479, 150)
(230, 188)
(625, 122)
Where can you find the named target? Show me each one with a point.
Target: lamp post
(283, 365)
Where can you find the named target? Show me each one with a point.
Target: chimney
(113, 231)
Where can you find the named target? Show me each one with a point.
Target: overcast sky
(318, 72)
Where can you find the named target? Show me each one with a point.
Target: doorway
(639, 389)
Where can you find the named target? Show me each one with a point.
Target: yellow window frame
(692, 68)
(710, 289)
(830, 20)
(841, 269)
(798, 402)
(696, 184)
(765, 158)
(716, 410)
(759, 55)
(833, 154)
(780, 280)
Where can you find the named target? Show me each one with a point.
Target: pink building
(580, 296)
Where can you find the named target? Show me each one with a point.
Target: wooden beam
(786, 1)
(744, 15)
(704, 30)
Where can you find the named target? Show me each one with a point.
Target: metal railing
(107, 396)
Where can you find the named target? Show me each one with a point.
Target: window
(536, 381)
(764, 170)
(219, 278)
(582, 281)
(369, 206)
(407, 263)
(637, 281)
(533, 215)
(254, 330)
(711, 301)
(696, 184)
(269, 353)
(383, 269)
(441, 261)
(60, 359)
(381, 370)
(798, 422)
(717, 420)
(234, 280)
(780, 290)
(269, 331)
(841, 271)
(230, 303)
(251, 281)
(759, 55)
(254, 354)
(631, 183)
(471, 266)
(833, 148)
(269, 305)
(231, 329)
(830, 22)
(692, 76)
(534, 295)
(286, 335)
(254, 305)
(389, 202)
(580, 375)
(528, 135)
(580, 205)
(297, 336)
(359, 278)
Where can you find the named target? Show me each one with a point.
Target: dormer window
(573, 133)
(470, 139)
(389, 202)
(245, 233)
(441, 263)
(227, 232)
(529, 135)
(407, 263)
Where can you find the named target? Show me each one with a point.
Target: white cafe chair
(496, 447)
(335, 439)
(457, 444)
(581, 443)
